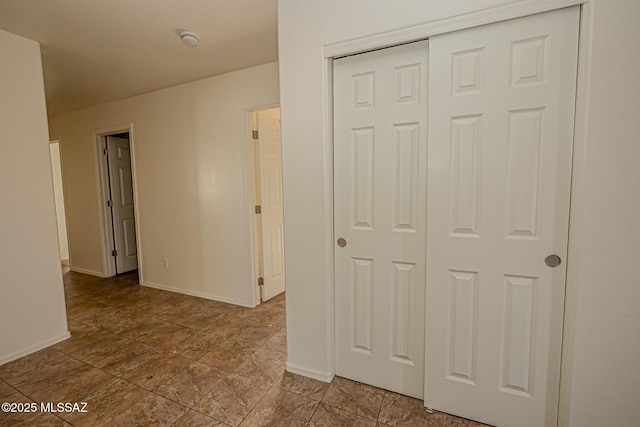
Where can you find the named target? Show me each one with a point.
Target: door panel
(124, 228)
(500, 147)
(272, 222)
(380, 108)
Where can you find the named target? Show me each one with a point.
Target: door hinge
(260, 281)
(258, 210)
(109, 203)
(106, 151)
(254, 134)
(114, 253)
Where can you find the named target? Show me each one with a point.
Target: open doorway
(58, 192)
(118, 202)
(269, 224)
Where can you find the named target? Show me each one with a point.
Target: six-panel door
(501, 112)
(124, 222)
(272, 223)
(380, 166)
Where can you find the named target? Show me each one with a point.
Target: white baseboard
(199, 294)
(326, 377)
(33, 348)
(85, 271)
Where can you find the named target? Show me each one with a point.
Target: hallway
(141, 356)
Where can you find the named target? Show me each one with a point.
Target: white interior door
(500, 145)
(124, 224)
(380, 109)
(272, 223)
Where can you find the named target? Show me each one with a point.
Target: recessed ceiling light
(189, 38)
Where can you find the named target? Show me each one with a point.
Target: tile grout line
(142, 388)
(314, 411)
(124, 380)
(167, 350)
(384, 396)
(33, 400)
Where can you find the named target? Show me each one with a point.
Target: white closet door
(501, 115)
(380, 102)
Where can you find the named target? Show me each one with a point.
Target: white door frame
(58, 140)
(106, 228)
(455, 23)
(251, 191)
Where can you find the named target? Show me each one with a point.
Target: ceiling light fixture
(189, 38)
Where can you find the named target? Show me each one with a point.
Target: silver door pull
(342, 243)
(552, 260)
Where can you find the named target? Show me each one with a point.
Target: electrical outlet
(165, 263)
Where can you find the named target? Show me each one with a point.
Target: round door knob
(552, 260)
(342, 243)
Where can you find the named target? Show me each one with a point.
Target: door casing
(455, 23)
(64, 205)
(120, 212)
(102, 180)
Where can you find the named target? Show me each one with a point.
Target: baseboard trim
(326, 377)
(198, 294)
(85, 271)
(33, 348)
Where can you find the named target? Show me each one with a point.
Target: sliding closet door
(501, 111)
(380, 171)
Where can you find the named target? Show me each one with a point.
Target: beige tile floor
(141, 356)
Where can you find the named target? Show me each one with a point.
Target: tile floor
(141, 356)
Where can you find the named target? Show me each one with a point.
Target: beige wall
(604, 382)
(190, 155)
(32, 308)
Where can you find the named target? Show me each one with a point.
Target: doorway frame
(58, 140)
(104, 215)
(441, 26)
(251, 191)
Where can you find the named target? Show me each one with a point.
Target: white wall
(190, 150)
(605, 377)
(54, 148)
(32, 307)
(606, 368)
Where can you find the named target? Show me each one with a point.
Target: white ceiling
(95, 51)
